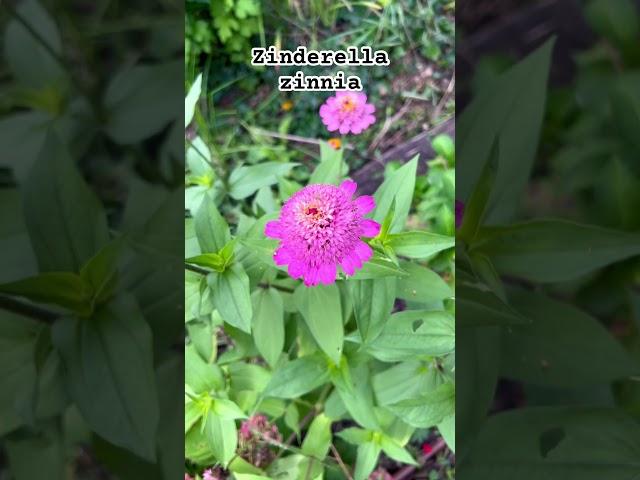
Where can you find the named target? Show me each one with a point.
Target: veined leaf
(420, 244)
(563, 443)
(109, 364)
(320, 307)
(554, 250)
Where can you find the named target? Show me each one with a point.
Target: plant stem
(338, 458)
(24, 309)
(276, 287)
(193, 268)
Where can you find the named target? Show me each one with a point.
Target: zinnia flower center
(348, 105)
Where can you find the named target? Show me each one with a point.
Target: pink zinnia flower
(347, 112)
(320, 228)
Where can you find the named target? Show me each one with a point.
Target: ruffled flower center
(348, 104)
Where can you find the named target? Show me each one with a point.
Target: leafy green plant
(345, 372)
(530, 287)
(87, 316)
(228, 24)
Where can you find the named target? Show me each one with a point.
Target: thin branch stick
(409, 470)
(338, 458)
(16, 306)
(293, 138)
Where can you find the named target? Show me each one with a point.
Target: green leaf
(298, 377)
(191, 100)
(208, 260)
(65, 220)
(200, 375)
(295, 467)
(198, 158)
(447, 429)
(615, 20)
(366, 460)
(562, 346)
(292, 418)
(329, 170)
(131, 100)
(268, 324)
(398, 186)
(109, 368)
(378, 267)
(66, 290)
(555, 443)
(420, 244)
(17, 365)
(354, 436)
(318, 439)
(478, 355)
(31, 454)
(396, 451)
(411, 333)
(169, 374)
(429, 409)
(477, 206)
(478, 306)
(422, 285)
(30, 62)
(373, 301)
(231, 296)
(352, 385)
(511, 109)
(444, 146)
(227, 409)
(321, 310)
(100, 273)
(554, 250)
(211, 228)
(222, 437)
(405, 380)
(246, 180)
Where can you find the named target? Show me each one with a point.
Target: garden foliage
(351, 369)
(529, 287)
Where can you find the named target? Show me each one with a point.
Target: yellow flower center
(347, 104)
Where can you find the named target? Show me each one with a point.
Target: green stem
(12, 305)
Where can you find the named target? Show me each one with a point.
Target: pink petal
(327, 274)
(272, 229)
(296, 269)
(368, 108)
(365, 204)
(282, 256)
(344, 128)
(349, 187)
(363, 251)
(370, 228)
(311, 277)
(349, 264)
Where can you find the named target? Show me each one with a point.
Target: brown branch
(338, 458)
(409, 470)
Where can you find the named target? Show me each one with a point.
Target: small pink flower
(187, 477)
(210, 474)
(320, 228)
(347, 112)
